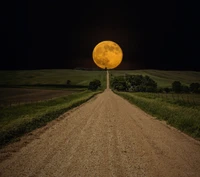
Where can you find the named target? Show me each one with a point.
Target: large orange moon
(107, 54)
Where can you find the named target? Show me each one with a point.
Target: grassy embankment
(17, 120)
(179, 110)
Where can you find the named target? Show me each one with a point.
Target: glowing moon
(107, 54)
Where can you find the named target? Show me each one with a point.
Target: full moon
(107, 54)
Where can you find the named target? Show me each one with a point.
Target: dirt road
(107, 136)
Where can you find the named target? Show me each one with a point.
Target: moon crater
(107, 54)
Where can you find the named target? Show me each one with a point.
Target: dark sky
(50, 34)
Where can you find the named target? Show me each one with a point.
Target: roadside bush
(195, 87)
(93, 85)
(185, 89)
(119, 83)
(176, 86)
(121, 86)
(166, 89)
(136, 83)
(68, 82)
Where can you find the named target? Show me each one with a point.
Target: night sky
(53, 34)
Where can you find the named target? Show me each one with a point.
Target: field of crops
(28, 86)
(16, 96)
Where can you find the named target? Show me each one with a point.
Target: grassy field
(31, 98)
(182, 113)
(48, 97)
(27, 86)
(179, 110)
(163, 78)
(51, 77)
(82, 77)
(16, 96)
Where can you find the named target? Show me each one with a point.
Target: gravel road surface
(106, 136)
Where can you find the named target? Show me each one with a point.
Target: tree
(68, 82)
(137, 83)
(121, 86)
(141, 83)
(166, 89)
(150, 84)
(97, 82)
(185, 89)
(93, 85)
(135, 80)
(194, 87)
(176, 86)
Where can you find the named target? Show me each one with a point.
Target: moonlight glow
(107, 54)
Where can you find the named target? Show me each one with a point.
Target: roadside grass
(181, 99)
(25, 112)
(18, 120)
(183, 117)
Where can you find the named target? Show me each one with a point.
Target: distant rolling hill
(83, 77)
(50, 77)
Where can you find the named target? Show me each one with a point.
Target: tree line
(140, 83)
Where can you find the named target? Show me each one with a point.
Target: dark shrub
(176, 86)
(93, 85)
(194, 87)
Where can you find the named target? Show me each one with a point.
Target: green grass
(22, 118)
(18, 120)
(183, 117)
(164, 78)
(183, 99)
(83, 77)
(50, 77)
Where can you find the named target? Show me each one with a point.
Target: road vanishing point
(104, 137)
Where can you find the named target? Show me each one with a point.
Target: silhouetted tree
(176, 86)
(119, 83)
(137, 83)
(93, 85)
(194, 87)
(166, 89)
(185, 89)
(68, 82)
